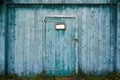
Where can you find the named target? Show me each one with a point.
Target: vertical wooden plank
(32, 45)
(2, 39)
(79, 34)
(53, 49)
(93, 37)
(23, 23)
(102, 44)
(11, 38)
(25, 43)
(38, 54)
(57, 52)
(113, 26)
(18, 41)
(89, 32)
(88, 40)
(48, 54)
(108, 52)
(118, 38)
(30, 36)
(101, 40)
(27, 39)
(96, 40)
(83, 41)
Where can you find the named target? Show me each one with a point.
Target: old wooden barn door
(38, 40)
(60, 45)
(44, 37)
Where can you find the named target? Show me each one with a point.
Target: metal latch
(75, 42)
(75, 39)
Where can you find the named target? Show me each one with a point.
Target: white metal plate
(60, 26)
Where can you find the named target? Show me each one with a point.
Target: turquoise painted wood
(2, 39)
(61, 1)
(24, 52)
(60, 54)
(33, 44)
(118, 38)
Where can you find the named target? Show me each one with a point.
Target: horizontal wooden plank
(61, 1)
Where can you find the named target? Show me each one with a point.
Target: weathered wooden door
(60, 54)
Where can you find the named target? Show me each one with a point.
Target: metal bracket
(76, 40)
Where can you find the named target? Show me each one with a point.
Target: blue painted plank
(61, 1)
(118, 38)
(83, 41)
(11, 37)
(2, 39)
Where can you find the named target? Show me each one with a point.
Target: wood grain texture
(25, 45)
(2, 39)
(60, 54)
(61, 1)
(118, 38)
(26, 38)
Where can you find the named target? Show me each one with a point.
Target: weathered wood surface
(61, 1)
(96, 33)
(60, 56)
(2, 39)
(97, 39)
(118, 38)
(25, 41)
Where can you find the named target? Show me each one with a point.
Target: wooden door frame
(76, 34)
